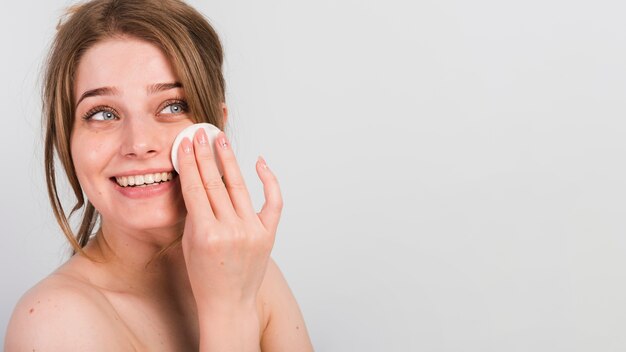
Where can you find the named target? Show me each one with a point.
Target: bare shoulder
(61, 313)
(285, 329)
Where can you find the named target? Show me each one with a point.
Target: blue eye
(174, 108)
(102, 116)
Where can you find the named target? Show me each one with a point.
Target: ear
(224, 113)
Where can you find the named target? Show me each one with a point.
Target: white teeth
(143, 180)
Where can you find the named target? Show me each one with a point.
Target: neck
(136, 262)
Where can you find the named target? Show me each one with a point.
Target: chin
(142, 219)
(152, 223)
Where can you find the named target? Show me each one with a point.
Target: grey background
(453, 171)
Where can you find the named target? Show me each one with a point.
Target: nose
(140, 139)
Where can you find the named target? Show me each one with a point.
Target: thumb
(273, 206)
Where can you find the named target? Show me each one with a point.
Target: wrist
(225, 311)
(229, 328)
(227, 307)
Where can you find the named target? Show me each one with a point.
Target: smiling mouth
(146, 180)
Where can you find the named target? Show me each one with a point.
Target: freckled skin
(140, 136)
(128, 306)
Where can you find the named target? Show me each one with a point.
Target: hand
(225, 243)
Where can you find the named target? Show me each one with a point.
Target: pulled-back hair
(184, 36)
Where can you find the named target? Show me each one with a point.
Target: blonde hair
(184, 36)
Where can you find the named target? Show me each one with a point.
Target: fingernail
(202, 137)
(186, 144)
(263, 163)
(222, 140)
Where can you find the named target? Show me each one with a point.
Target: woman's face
(130, 107)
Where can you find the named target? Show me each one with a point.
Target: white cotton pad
(211, 131)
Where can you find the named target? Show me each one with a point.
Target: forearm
(229, 329)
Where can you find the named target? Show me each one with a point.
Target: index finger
(196, 199)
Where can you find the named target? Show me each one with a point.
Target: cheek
(174, 131)
(94, 153)
(89, 156)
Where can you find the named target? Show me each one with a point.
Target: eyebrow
(151, 89)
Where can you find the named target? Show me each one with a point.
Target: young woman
(179, 262)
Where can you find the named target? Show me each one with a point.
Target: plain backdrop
(453, 171)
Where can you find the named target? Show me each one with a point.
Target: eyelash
(89, 114)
